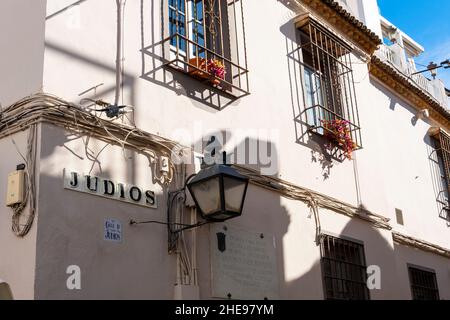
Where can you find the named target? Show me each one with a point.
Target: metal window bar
(442, 161)
(197, 22)
(330, 61)
(206, 30)
(343, 269)
(444, 147)
(423, 284)
(176, 19)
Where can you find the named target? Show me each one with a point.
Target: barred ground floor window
(423, 284)
(344, 269)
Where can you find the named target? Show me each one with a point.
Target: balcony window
(207, 41)
(423, 284)
(327, 78)
(344, 269)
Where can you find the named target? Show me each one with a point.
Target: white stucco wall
(71, 229)
(88, 55)
(17, 255)
(71, 233)
(366, 11)
(393, 169)
(22, 26)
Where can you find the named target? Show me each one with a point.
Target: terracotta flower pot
(202, 64)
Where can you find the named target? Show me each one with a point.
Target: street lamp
(219, 192)
(432, 68)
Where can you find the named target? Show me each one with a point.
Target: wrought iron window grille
(344, 269)
(327, 76)
(441, 159)
(207, 41)
(423, 284)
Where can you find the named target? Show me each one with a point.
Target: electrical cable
(39, 108)
(313, 199)
(20, 229)
(45, 108)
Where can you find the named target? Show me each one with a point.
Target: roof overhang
(334, 15)
(402, 86)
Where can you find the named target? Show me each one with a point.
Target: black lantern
(219, 192)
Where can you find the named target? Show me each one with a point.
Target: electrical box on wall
(16, 187)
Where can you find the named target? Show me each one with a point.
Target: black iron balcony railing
(207, 42)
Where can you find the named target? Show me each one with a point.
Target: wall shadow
(66, 8)
(342, 281)
(255, 154)
(129, 80)
(437, 171)
(273, 214)
(65, 221)
(93, 93)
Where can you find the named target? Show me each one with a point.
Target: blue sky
(427, 22)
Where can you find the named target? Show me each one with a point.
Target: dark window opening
(344, 269)
(423, 284)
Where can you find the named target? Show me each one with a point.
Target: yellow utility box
(16, 187)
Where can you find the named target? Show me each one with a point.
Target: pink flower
(338, 131)
(216, 68)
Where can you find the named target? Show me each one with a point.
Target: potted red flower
(213, 69)
(216, 68)
(338, 132)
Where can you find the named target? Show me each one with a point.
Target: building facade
(111, 105)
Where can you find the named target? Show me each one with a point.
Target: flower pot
(203, 73)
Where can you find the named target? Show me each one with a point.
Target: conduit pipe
(119, 53)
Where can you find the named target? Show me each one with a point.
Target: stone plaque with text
(243, 264)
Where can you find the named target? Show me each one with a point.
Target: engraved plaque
(243, 264)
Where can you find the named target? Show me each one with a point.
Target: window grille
(423, 284)
(344, 269)
(441, 159)
(327, 77)
(207, 36)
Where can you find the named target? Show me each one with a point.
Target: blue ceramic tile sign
(113, 230)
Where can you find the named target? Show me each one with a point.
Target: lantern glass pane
(207, 194)
(234, 193)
